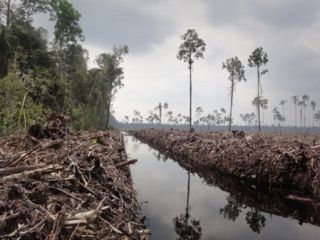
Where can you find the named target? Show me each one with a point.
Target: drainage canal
(181, 205)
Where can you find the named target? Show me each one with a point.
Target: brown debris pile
(56, 126)
(266, 160)
(77, 188)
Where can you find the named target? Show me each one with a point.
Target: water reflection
(252, 201)
(159, 156)
(226, 208)
(232, 209)
(254, 218)
(185, 229)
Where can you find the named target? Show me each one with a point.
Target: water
(181, 205)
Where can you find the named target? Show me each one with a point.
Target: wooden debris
(258, 159)
(66, 187)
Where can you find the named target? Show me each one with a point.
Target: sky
(288, 31)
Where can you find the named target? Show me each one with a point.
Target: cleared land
(63, 186)
(264, 160)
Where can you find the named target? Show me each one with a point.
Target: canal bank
(217, 209)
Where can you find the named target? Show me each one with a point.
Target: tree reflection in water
(232, 209)
(254, 218)
(160, 156)
(185, 229)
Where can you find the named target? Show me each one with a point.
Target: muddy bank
(268, 161)
(67, 187)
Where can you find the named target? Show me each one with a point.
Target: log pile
(54, 186)
(264, 160)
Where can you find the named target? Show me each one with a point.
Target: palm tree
(192, 48)
(295, 100)
(236, 74)
(257, 59)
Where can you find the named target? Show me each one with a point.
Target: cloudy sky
(288, 30)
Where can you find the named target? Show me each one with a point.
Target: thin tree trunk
(312, 120)
(22, 107)
(108, 113)
(190, 106)
(3, 53)
(300, 119)
(304, 117)
(160, 112)
(295, 118)
(258, 72)
(231, 104)
(8, 12)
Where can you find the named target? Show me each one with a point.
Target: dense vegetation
(38, 77)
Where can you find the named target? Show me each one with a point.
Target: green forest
(39, 77)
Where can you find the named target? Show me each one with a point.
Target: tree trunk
(8, 12)
(108, 113)
(160, 112)
(304, 117)
(190, 106)
(258, 72)
(295, 118)
(300, 119)
(231, 104)
(312, 120)
(3, 53)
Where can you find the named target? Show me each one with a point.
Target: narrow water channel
(181, 205)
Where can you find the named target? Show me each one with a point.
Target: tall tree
(302, 105)
(248, 118)
(282, 103)
(236, 74)
(295, 100)
(263, 103)
(199, 112)
(30, 7)
(160, 107)
(192, 48)
(109, 64)
(258, 59)
(305, 99)
(316, 117)
(67, 29)
(277, 116)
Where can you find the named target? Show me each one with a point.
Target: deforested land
(56, 184)
(287, 163)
